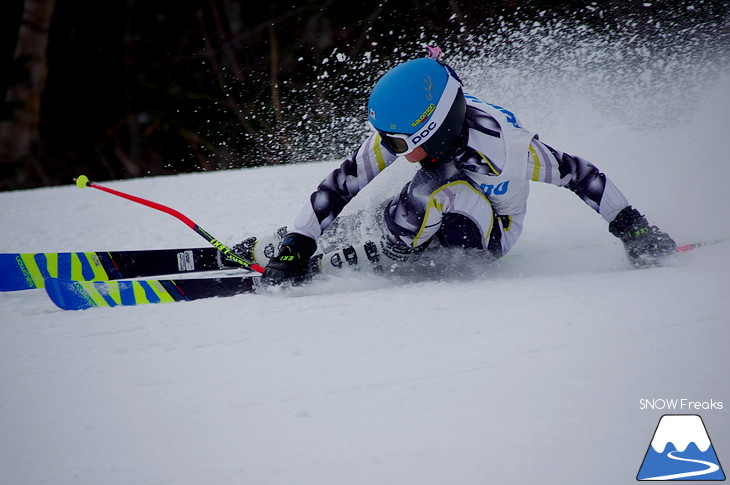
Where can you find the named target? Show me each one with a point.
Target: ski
(81, 295)
(70, 294)
(23, 271)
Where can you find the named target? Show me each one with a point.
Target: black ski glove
(292, 262)
(645, 245)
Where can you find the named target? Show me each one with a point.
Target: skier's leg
(441, 202)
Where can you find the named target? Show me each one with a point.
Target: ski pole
(690, 247)
(82, 181)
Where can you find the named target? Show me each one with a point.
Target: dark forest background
(126, 88)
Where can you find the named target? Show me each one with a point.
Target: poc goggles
(402, 144)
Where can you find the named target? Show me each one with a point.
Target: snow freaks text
(680, 404)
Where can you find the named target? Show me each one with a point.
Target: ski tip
(82, 181)
(15, 275)
(66, 295)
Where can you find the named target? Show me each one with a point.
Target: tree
(19, 135)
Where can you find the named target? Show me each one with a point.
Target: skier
(476, 161)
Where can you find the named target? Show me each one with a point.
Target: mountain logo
(680, 450)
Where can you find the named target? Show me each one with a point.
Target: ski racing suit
(476, 200)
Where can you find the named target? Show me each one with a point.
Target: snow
(531, 372)
(681, 431)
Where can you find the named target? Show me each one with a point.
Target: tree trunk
(19, 136)
(274, 54)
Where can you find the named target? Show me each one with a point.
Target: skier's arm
(341, 185)
(577, 174)
(644, 244)
(325, 203)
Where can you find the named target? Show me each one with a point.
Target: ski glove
(292, 262)
(645, 245)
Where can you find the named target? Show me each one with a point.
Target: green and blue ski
(80, 295)
(23, 271)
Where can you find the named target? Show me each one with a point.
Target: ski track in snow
(529, 373)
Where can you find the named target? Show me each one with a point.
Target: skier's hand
(292, 262)
(645, 245)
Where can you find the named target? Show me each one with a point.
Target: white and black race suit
(477, 199)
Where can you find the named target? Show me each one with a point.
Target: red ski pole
(82, 181)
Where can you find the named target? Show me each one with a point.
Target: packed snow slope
(531, 371)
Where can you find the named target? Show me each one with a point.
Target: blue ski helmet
(418, 103)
